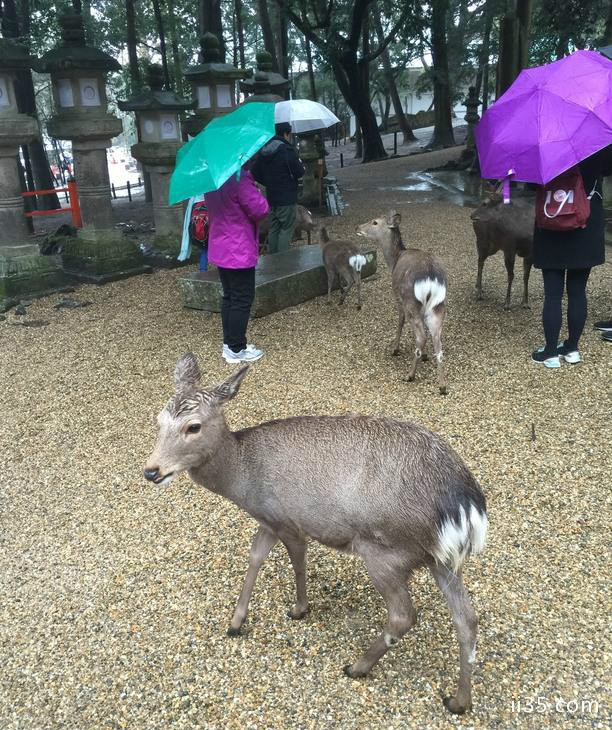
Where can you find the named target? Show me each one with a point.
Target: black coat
(278, 168)
(584, 247)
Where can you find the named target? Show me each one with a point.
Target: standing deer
(392, 492)
(344, 260)
(419, 283)
(507, 228)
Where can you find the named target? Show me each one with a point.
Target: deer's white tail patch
(430, 292)
(357, 262)
(459, 538)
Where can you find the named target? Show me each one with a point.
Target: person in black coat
(278, 168)
(566, 259)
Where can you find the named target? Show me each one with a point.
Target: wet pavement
(456, 187)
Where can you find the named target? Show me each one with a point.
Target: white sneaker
(247, 355)
(573, 357)
(250, 346)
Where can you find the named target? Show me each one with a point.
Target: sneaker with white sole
(249, 354)
(603, 325)
(571, 356)
(553, 362)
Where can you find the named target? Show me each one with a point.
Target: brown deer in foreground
(344, 260)
(419, 283)
(392, 492)
(507, 228)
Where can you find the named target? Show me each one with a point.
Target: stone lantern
(78, 76)
(213, 84)
(159, 132)
(266, 85)
(23, 271)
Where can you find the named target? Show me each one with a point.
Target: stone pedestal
(24, 273)
(100, 253)
(281, 280)
(168, 218)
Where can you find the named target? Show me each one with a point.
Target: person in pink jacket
(234, 212)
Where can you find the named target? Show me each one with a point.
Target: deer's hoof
(359, 307)
(424, 357)
(297, 615)
(526, 305)
(348, 670)
(506, 307)
(410, 378)
(443, 390)
(395, 352)
(453, 706)
(234, 632)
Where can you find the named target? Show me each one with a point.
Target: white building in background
(414, 101)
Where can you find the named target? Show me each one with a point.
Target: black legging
(554, 283)
(238, 294)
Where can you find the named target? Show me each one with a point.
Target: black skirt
(582, 248)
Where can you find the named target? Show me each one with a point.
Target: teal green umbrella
(220, 150)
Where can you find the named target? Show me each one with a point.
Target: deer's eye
(374, 223)
(194, 428)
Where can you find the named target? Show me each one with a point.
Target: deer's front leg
(263, 542)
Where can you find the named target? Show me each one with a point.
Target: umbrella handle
(506, 187)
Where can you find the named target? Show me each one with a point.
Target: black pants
(555, 281)
(238, 294)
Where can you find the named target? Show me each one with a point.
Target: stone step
(281, 280)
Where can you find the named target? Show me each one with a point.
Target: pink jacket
(234, 212)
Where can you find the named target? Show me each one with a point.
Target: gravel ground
(115, 595)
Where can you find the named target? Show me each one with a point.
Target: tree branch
(360, 8)
(303, 26)
(392, 33)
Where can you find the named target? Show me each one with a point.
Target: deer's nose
(151, 474)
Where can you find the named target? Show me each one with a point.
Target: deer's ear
(228, 388)
(393, 219)
(187, 373)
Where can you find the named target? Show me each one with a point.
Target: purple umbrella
(551, 118)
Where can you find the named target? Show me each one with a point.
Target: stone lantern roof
(211, 68)
(14, 56)
(72, 53)
(265, 82)
(155, 98)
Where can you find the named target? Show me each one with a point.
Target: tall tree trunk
(211, 21)
(514, 40)
(443, 128)
(358, 141)
(607, 34)
(132, 42)
(482, 77)
(266, 29)
(349, 77)
(524, 10)
(282, 41)
(159, 21)
(177, 70)
(402, 121)
(239, 31)
(28, 205)
(311, 76)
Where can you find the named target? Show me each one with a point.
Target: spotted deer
(508, 228)
(342, 260)
(391, 492)
(419, 284)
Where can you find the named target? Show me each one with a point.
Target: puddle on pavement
(451, 186)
